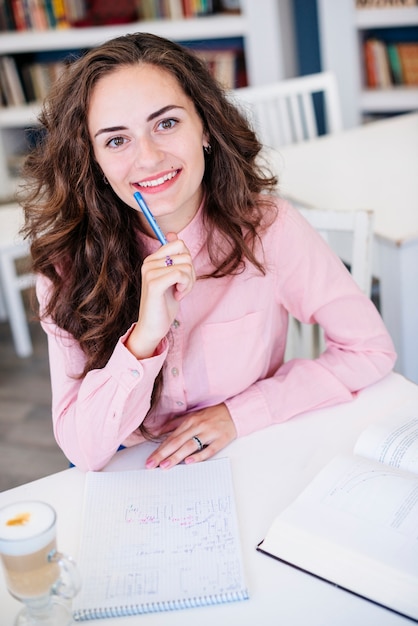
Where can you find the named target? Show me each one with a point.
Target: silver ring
(199, 443)
(168, 261)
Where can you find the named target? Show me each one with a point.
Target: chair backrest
(350, 235)
(13, 281)
(284, 112)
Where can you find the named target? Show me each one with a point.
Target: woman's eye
(167, 124)
(115, 142)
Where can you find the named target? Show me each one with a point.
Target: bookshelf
(264, 28)
(343, 30)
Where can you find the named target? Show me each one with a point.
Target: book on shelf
(355, 525)
(22, 15)
(390, 63)
(62, 13)
(155, 540)
(10, 83)
(385, 4)
(49, 14)
(107, 12)
(221, 64)
(370, 63)
(24, 140)
(6, 16)
(224, 58)
(377, 64)
(14, 164)
(395, 64)
(28, 78)
(408, 57)
(36, 14)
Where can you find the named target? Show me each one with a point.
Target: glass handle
(69, 582)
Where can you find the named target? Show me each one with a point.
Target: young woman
(182, 342)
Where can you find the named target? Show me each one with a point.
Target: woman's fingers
(198, 437)
(167, 277)
(170, 266)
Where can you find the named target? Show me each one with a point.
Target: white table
(269, 469)
(375, 167)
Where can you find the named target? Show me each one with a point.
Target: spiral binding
(81, 615)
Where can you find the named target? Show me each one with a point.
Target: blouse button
(135, 373)
(176, 323)
(179, 403)
(174, 371)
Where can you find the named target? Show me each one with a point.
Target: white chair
(350, 234)
(13, 283)
(284, 112)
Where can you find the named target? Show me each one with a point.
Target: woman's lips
(157, 182)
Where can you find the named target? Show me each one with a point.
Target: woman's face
(148, 137)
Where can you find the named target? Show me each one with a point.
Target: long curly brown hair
(92, 255)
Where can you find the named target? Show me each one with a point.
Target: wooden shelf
(389, 100)
(207, 27)
(385, 18)
(16, 117)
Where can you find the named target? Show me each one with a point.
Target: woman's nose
(148, 152)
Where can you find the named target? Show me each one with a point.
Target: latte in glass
(27, 538)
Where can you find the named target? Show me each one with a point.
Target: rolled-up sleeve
(95, 414)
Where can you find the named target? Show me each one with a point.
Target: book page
(154, 538)
(356, 526)
(393, 442)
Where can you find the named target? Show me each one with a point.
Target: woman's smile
(155, 184)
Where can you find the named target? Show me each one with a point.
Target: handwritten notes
(159, 540)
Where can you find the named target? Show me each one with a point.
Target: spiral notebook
(159, 540)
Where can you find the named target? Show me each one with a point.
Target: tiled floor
(27, 446)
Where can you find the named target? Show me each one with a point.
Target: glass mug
(36, 574)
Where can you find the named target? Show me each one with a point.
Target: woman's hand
(213, 427)
(167, 277)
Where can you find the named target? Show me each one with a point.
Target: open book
(155, 540)
(356, 524)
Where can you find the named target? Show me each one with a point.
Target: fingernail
(189, 459)
(150, 464)
(166, 463)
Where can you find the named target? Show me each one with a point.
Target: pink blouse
(226, 345)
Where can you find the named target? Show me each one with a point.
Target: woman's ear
(206, 138)
(206, 143)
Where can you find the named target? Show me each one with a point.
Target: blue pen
(153, 223)
(150, 218)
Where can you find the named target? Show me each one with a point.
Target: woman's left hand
(212, 426)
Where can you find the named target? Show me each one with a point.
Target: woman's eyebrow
(163, 110)
(152, 116)
(111, 129)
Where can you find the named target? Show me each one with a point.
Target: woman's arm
(306, 278)
(315, 287)
(92, 416)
